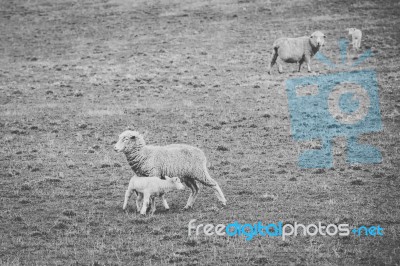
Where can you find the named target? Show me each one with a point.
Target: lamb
(296, 50)
(356, 35)
(187, 162)
(148, 188)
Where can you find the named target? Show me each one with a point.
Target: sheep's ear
(167, 177)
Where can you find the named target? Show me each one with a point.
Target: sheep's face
(176, 183)
(317, 39)
(128, 139)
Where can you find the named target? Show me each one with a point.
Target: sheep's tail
(274, 56)
(275, 47)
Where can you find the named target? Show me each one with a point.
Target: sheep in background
(356, 35)
(187, 162)
(148, 188)
(296, 50)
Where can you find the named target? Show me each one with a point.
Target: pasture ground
(75, 74)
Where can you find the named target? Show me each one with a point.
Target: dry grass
(73, 75)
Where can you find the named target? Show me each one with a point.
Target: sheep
(187, 162)
(356, 35)
(296, 50)
(147, 188)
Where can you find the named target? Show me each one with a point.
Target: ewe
(148, 188)
(296, 50)
(187, 162)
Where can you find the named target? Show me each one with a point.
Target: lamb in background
(296, 50)
(187, 162)
(356, 35)
(148, 188)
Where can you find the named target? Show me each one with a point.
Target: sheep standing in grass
(356, 35)
(187, 162)
(148, 188)
(296, 50)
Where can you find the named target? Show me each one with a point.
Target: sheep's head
(129, 140)
(317, 39)
(176, 182)
(351, 30)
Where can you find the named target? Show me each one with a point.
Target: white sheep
(147, 188)
(296, 50)
(187, 162)
(356, 35)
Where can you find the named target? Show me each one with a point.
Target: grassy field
(75, 74)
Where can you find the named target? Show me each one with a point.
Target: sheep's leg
(219, 194)
(300, 63)
(164, 201)
(193, 195)
(196, 191)
(192, 192)
(153, 205)
(280, 69)
(307, 59)
(273, 60)
(162, 176)
(139, 201)
(355, 44)
(146, 199)
(207, 180)
(128, 194)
